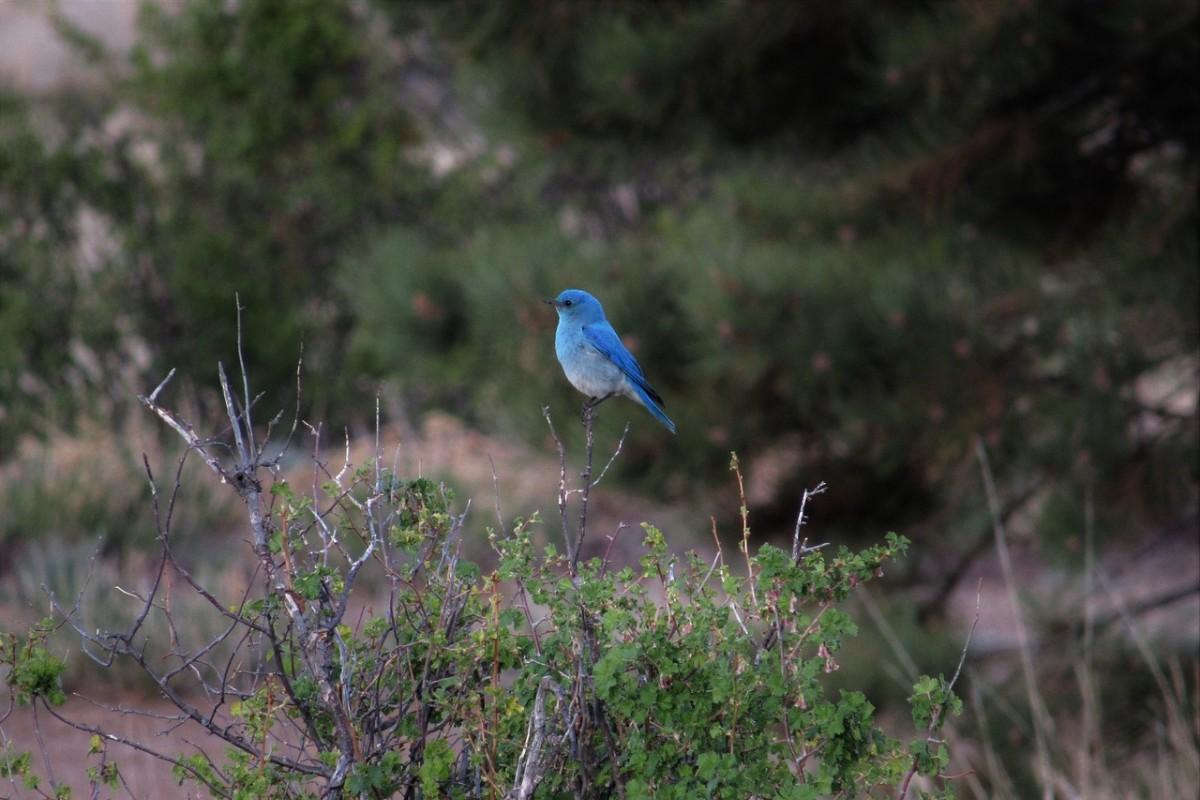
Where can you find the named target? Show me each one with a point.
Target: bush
(547, 674)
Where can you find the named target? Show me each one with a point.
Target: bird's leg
(589, 406)
(592, 402)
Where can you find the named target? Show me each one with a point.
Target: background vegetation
(845, 240)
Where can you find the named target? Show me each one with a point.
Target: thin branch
(496, 493)
(938, 710)
(188, 435)
(612, 540)
(136, 745)
(613, 457)
(801, 548)
(585, 477)
(235, 420)
(37, 730)
(287, 443)
(562, 484)
(735, 465)
(237, 301)
(161, 386)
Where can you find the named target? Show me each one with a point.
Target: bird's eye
(566, 302)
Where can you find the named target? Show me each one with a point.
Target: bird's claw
(590, 405)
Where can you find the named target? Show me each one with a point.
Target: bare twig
(585, 478)
(612, 541)
(801, 548)
(237, 301)
(316, 641)
(717, 557)
(496, 493)
(287, 443)
(158, 389)
(187, 434)
(177, 763)
(562, 485)
(613, 457)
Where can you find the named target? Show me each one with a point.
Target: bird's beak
(550, 303)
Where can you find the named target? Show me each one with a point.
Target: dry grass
(1037, 721)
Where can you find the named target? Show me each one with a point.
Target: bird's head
(577, 305)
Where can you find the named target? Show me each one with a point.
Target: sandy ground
(33, 58)
(67, 748)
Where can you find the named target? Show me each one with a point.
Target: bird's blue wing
(601, 336)
(604, 338)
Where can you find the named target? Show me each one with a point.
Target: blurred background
(849, 241)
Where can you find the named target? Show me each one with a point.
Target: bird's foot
(589, 406)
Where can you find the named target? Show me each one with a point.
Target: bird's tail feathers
(651, 400)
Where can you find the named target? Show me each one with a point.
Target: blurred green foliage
(241, 150)
(48, 304)
(277, 142)
(842, 239)
(864, 236)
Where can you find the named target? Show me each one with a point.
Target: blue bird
(594, 358)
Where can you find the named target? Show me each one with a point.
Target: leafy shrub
(672, 678)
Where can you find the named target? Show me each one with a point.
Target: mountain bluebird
(594, 358)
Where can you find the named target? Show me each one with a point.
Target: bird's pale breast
(587, 370)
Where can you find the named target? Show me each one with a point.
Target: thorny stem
(585, 478)
(562, 485)
(801, 548)
(745, 512)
